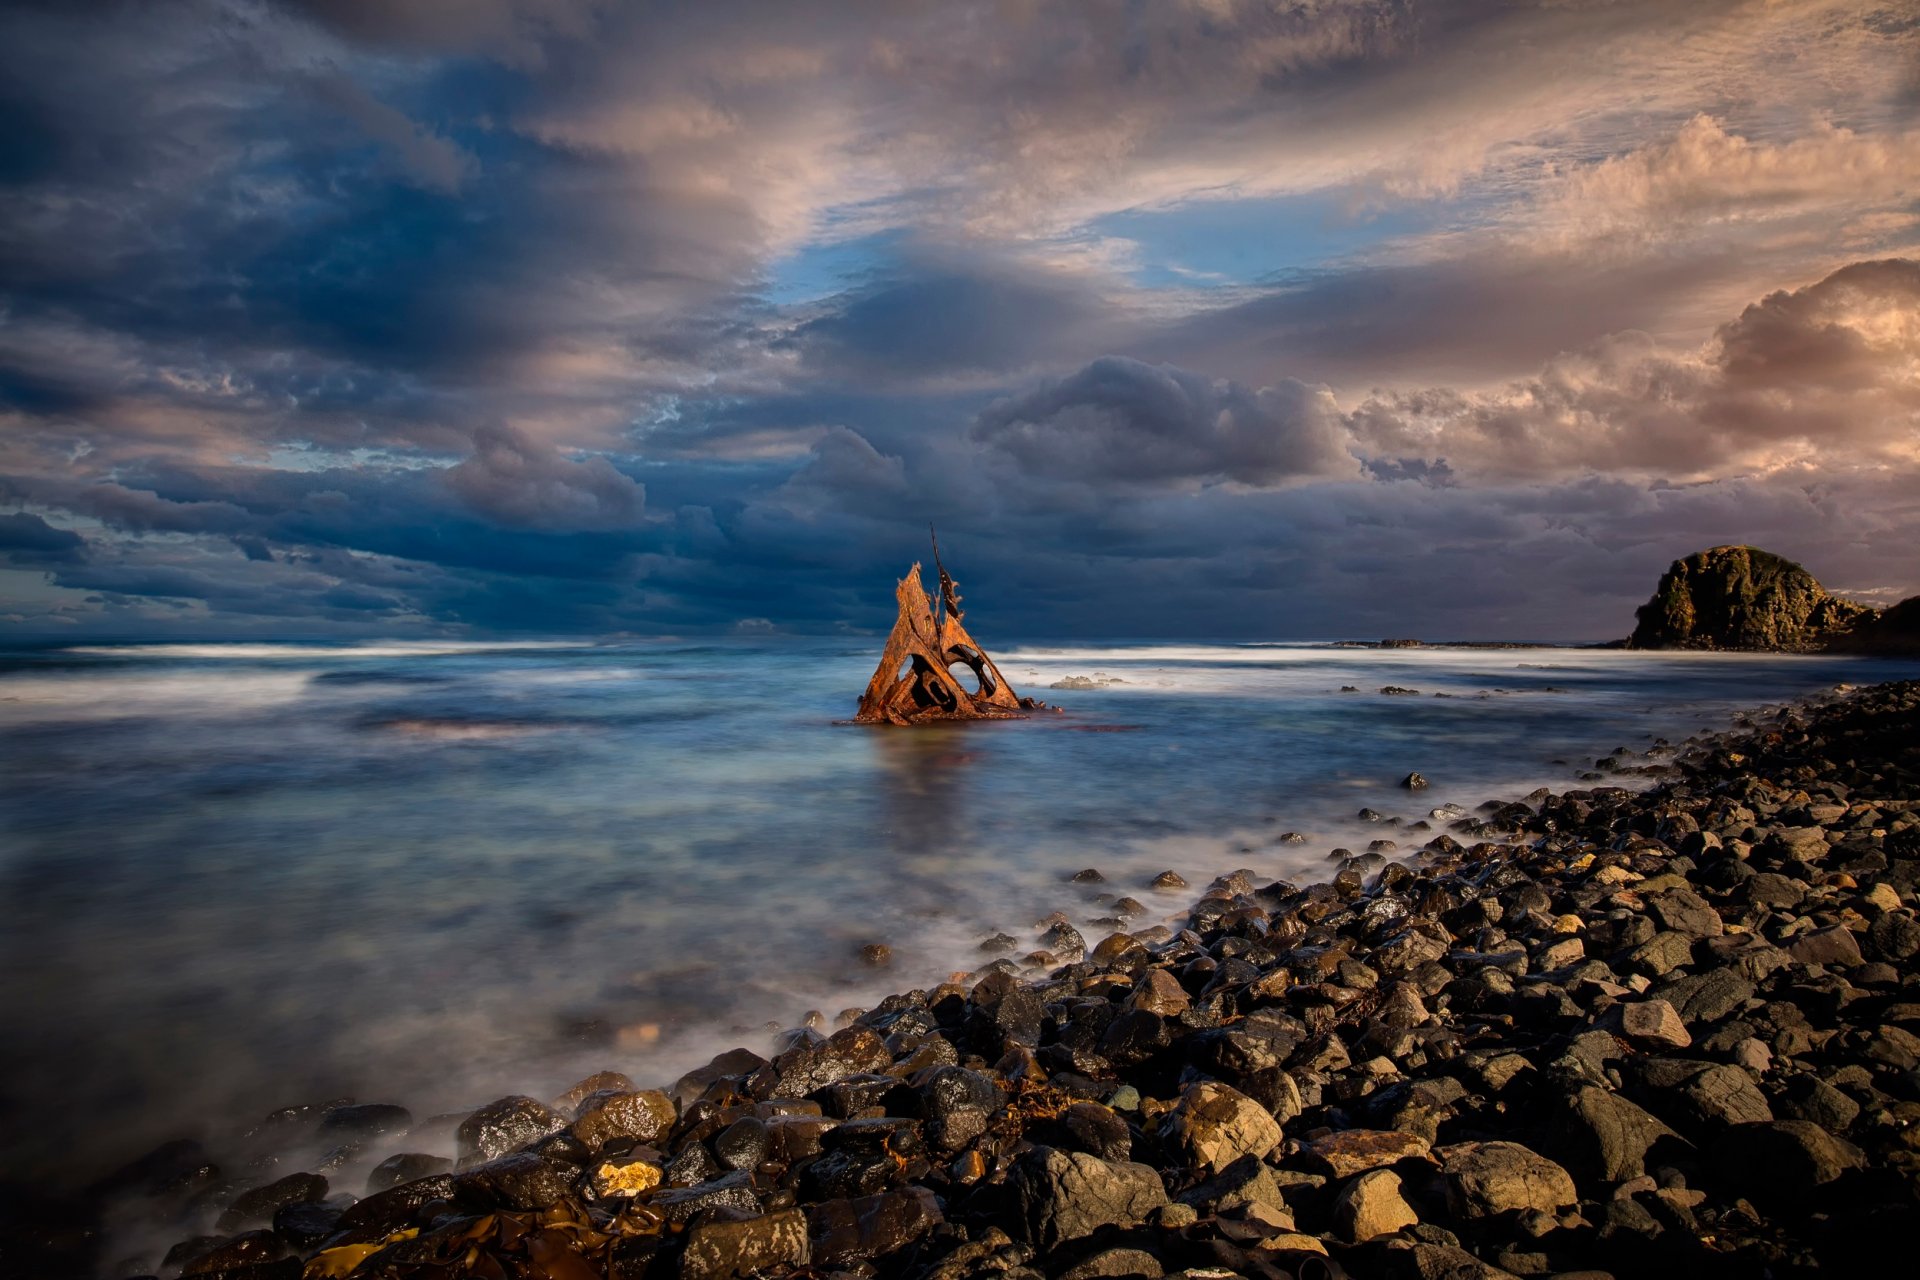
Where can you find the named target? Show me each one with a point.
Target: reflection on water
(232, 878)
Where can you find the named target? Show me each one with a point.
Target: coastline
(1306, 1064)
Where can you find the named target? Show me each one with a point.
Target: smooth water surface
(239, 876)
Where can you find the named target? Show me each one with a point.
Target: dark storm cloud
(1122, 420)
(27, 539)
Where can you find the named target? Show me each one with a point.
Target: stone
(647, 1116)
(404, 1167)
(732, 1250)
(732, 1192)
(1371, 1205)
(1168, 880)
(249, 1249)
(849, 1051)
(1116, 1263)
(1158, 991)
(569, 1102)
(1834, 945)
(1811, 1098)
(1414, 782)
(257, 1207)
(847, 1233)
(1661, 954)
(957, 1104)
(394, 1208)
(1349, 1151)
(1895, 936)
(1485, 1179)
(744, 1144)
(1648, 1024)
(1065, 1195)
(1447, 1262)
(616, 1180)
(1608, 1137)
(1684, 912)
(1782, 1161)
(365, 1120)
(1214, 1124)
(1706, 997)
(1246, 1182)
(1721, 1096)
(520, 1181)
(1098, 1131)
(504, 1126)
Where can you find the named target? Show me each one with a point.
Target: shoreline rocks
(1594, 1032)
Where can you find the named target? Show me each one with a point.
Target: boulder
(1736, 597)
(1064, 1195)
(1606, 1137)
(505, 1126)
(1349, 1151)
(731, 1250)
(1484, 1179)
(646, 1116)
(1371, 1205)
(1214, 1125)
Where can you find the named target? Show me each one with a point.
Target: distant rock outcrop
(1743, 598)
(1894, 632)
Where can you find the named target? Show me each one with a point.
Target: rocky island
(1744, 598)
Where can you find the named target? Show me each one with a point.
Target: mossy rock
(1743, 598)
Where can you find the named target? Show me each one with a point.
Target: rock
(1895, 937)
(365, 1120)
(1060, 1195)
(306, 1223)
(1347, 1152)
(569, 1102)
(1706, 997)
(1721, 1096)
(732, 1250)
(1158, 991)
(1742, 598)
(616, 1180)
(1448, 1262)
(647, 1116)
(1098, 1131)
(520, 1181)
(1484, 1179)
(1244, 1183)
(1001, 1011)
(957, 1103)
(744, 1144)
(1835, 945)
(1811, 1098)
(1371, 1205)
(248, 1250)
(1116, 1263)
(1414, 782)
(257, 1207)
(1214, 1125)
(849, 1051)
(1782, 1161)
(394, 1208)
(1608, 1137)
(505, 1126)
(404, 1167)
(847, 1233)
(731, 1192)
(1647, 1023)
(1686, 913)
(1168, 880)
(876, 955)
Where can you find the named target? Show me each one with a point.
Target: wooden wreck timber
(915, 684)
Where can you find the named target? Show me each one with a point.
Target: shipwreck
(915, 683)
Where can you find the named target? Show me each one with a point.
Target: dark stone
(721, 1249)
(1706, 997)
(522, 1181)
(957, 1104)
(744, 1144)
(1607, 1138)
(1783, 1161)
(1722, 1096)
(849, 1232)
(1811, 1098)
(404, 1167)
(733, 1192)
(644, 1116)
(257, 1207)
(365, 1120)
(1098, 1131)
(170, 1168)
(394, 1208)
(1001, 1011)
(1060, 1195)
(505, 1126)
(1894, 936)
(248, 1249)
(850, 1051)
(1684, 912)
(306, 1223)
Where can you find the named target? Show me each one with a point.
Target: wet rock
(521, 1181)
(249, 1249)
(1414, 782)
(957, 1104)
(876, 955)
(733, 1250)
(732, 1192)
(404, 1167)
(1214, 1125)
(306, 1223)
(847, 1233)
(623, 1179)
(1159, 992)
(1065, 1195)
(171, 1168)
(1371, 1205)
(1351, 1151)
(394, 1208)
(257, 1207)
(646, 1116)
(849, 1051)
(744, 1144)
(1000, 1012)
(609, 1082)
(1485, 1179)
(1168, 880)
(505, 1126)
(1064, 940)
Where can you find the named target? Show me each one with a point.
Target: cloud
(27, 539)
(519, 480)
(1120, 419)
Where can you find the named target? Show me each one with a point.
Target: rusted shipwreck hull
(915, 683)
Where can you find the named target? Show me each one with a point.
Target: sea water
(237, 877)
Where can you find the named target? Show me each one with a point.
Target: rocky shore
(1591, 1032)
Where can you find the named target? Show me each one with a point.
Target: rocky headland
(1744, 598)
(1593, 1032)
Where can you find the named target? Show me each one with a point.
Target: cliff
(1743, 598)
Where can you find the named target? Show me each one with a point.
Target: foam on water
(236, 877)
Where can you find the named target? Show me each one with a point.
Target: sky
(1204, 319)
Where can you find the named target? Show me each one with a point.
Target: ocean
(238, 877)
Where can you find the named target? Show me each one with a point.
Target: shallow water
(236, 877)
